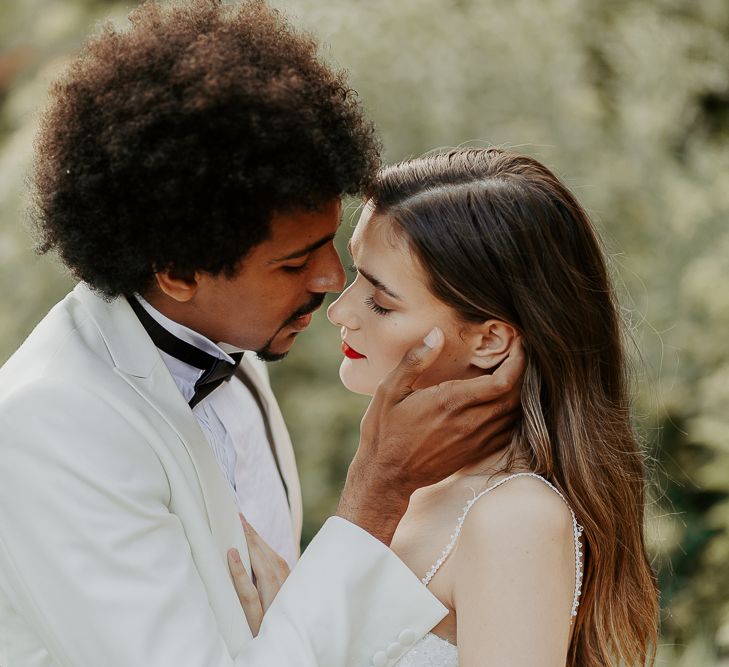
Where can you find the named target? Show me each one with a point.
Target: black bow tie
(215, 371)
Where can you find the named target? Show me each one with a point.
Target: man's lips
(300, 323)
(351, 353)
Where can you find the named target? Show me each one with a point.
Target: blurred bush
(627, 100)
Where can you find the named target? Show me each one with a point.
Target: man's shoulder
(57, 370)
(64, 345)
(75, 423)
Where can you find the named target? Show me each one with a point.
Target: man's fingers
(500, 388)
(497, 432)
(510, 373)
(485, 438)
(399, 382)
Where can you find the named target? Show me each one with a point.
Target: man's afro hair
(168, 146)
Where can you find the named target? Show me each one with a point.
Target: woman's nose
(340, 313)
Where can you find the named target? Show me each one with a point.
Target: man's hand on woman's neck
(410, 439)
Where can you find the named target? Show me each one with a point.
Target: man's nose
(331, 276)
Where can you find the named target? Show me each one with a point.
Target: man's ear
(181, 289)
(493, 341)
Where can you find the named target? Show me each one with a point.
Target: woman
(537, 551)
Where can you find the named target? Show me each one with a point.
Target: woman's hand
(269, 569)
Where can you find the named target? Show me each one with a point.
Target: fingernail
(235, 556)
(433, 338)
(243, 522)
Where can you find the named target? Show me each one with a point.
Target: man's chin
(267, 355)
(275, 350)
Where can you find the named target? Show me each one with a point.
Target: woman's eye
(371, 303)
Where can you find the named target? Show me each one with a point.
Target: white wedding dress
(433, 651)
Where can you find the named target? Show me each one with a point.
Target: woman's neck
(494, 464)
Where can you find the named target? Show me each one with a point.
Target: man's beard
(265, 353)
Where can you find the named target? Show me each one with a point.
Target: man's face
(281, 282)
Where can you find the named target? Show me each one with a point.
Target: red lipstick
(351, 353)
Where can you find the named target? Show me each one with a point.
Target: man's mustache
(310, 307)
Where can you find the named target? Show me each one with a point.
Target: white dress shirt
(231, 421)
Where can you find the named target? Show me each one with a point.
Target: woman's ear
(492, 342)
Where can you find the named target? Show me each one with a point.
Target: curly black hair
(170, 145)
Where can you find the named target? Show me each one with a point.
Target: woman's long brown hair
(499, 236)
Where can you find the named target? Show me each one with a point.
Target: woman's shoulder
(515, 564)
(521, 511)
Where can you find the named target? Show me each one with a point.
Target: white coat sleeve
(94, 561)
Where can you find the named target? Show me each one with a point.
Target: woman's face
(388, 309)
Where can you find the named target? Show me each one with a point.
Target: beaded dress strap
(576, 533)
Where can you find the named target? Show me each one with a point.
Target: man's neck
(182, 312)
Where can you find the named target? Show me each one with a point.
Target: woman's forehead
(380, 249)
(377, 229)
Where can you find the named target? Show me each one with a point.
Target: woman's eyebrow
(377, 284)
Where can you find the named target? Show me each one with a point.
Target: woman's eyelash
(370, 300)
(371, 303)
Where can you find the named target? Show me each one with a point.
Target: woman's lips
(351, 353)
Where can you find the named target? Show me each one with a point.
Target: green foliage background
(627, 100)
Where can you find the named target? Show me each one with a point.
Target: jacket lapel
(255, 372)
(137, 361)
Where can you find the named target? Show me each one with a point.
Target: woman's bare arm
(514, 573)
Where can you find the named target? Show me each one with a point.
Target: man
(189, 173)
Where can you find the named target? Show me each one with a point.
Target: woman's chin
(354, 381)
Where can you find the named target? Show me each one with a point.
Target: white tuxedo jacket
(115, 521)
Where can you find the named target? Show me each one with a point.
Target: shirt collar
(185, 375)
(188, 335)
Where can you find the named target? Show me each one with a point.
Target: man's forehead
(298, 232)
